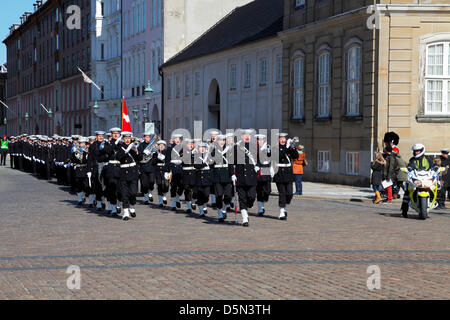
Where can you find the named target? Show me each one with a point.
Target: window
(169, 88)
(154, 13)
(352, 163)
(324, 86)
(153, 65)
(353, 80)
(102, 54)
(437, 78)
(299, 3)
(263, 75)
(178, 87)
(233, 80)
(159, 12)
(279, 77)
(187, 86)
(298, 97)
(197, 83)
(323, 161)
(248, 75)
(57, 41)
(158, 62)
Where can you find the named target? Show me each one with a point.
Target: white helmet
(418, 147)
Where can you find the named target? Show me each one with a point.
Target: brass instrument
(152, 146)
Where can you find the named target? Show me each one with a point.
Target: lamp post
(136, 117)
(148, 96)
(26, 121)
(95, 109)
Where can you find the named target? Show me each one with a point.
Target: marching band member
(246, 174)
(263, 188)
(112, 172)
(129, 175)
(79, 161)
(284, 178)
(161, 161)
(213, 138)
(221, 176)
(146, 168)
(189, 174)
(176, 185)
(203, 182)
(95, 164)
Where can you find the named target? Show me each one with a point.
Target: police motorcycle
(422, 188)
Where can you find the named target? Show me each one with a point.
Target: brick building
(42, 59)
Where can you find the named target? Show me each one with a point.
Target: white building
(230, 77)
(154, 31)
(106, 44)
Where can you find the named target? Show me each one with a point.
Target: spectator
(399, 176)
(377, 175)
(388, 171)
(298, 170)
(444, 161)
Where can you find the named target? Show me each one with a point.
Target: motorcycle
(422, 188)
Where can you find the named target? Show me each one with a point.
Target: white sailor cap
(115, 130)
(108, 134)
(91, 138)
(189, 140)
(177, 136)
(161, 142)
(83, 139)
(246, 131)
(282, 135)
(445, 150)
(198, 140)
(214, 133)
(260, 136)
(146, 134)
(99, 133)
(221, 137)
(203, 145)
(229, 135)
(127, 134)
(75, 137)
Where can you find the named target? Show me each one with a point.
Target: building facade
(3, 111)
(353, 71)
(154, 31)
(234, 84)
(106, 43)
(43, 54)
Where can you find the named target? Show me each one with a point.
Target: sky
(10, 12)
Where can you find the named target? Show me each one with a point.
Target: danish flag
(126, 125)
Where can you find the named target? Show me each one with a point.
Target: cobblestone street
(321, 252)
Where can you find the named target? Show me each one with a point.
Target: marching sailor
(189, 173)
(176, 185)
(284, 177)
(79, 162)
(147, 169)
(96, 159)
(203, 182)
(112, 172)
(161, 161)
(129, 175)
(245, 173)
(263, 188)
(221, 176)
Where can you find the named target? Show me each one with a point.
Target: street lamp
(95, 108)
(145, 112)
(27, 116)
(135, 113)
(149, 89)
(4, 121)
(50, 113)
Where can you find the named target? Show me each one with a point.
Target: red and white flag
(126, 125)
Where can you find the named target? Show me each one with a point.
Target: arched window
(324, 85)
(298, 87)
(437, 78)
(353, 80)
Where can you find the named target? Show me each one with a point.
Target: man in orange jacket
(298, 170)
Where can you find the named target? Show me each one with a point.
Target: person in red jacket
(298, 170)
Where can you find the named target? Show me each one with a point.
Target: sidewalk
(324, 191)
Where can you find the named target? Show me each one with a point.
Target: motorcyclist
(419, 161)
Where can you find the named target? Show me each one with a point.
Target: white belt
(114, 162)
(176, 161)
(128, 165)
(205, 169)
(284, 165)
(266, 162)
(160, 164)
(80, 166)
(221, 166)
(188, 168)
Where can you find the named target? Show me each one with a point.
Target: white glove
(147, 152)
(288, 143)
(134, 147)
(89, 175)
(161, 157)
(166, 176)
(257, 169)
(118, 141)
(272, 172)
(234, 178)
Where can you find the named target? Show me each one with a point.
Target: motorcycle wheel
(423, 206)
(405, 210)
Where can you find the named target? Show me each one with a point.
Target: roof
(256, 20)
